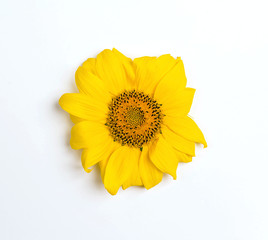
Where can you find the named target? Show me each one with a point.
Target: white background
(222, 194)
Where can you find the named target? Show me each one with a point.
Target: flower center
(134, 118)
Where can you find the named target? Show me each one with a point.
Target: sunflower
(131, 118)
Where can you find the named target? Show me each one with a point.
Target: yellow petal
(163, 156)
(145, 73)
(150, 70)
(88, 134)
(128, 66)
(91, 85)
(119, 168)
(179, 103)
(105, 158)
(182, 157)
(83, 160)
(149, 173)
(178, 142)
(111, 69)
(94, 154)
(172, 82)
(75, 119)
(84, 107)
(185, 127)
(90, 65)
(164, 64)
(134, 179)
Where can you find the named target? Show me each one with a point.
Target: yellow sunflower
(131, 118)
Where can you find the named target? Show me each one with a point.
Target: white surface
(222, 194)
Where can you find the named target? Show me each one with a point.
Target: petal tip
(62, 99)
(113, 192)
(205, 145)
(148, 187)
(87, 170)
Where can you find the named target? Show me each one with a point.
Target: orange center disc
(134, 118)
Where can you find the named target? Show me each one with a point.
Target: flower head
(131, 118)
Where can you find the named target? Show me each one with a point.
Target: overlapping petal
(182, 157)
(119, 168)
(134, 178)
(94, 154)
(178, 142)
(88, 134)
(84, 106)
(172, 83)
(178, 104)
(150, 174)
(75, 119)
(91, 85)
(128, 67)
(150, 70)
(105, 158)
(90, 65)
(163, 157)
(185, 127)
(114, 70)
